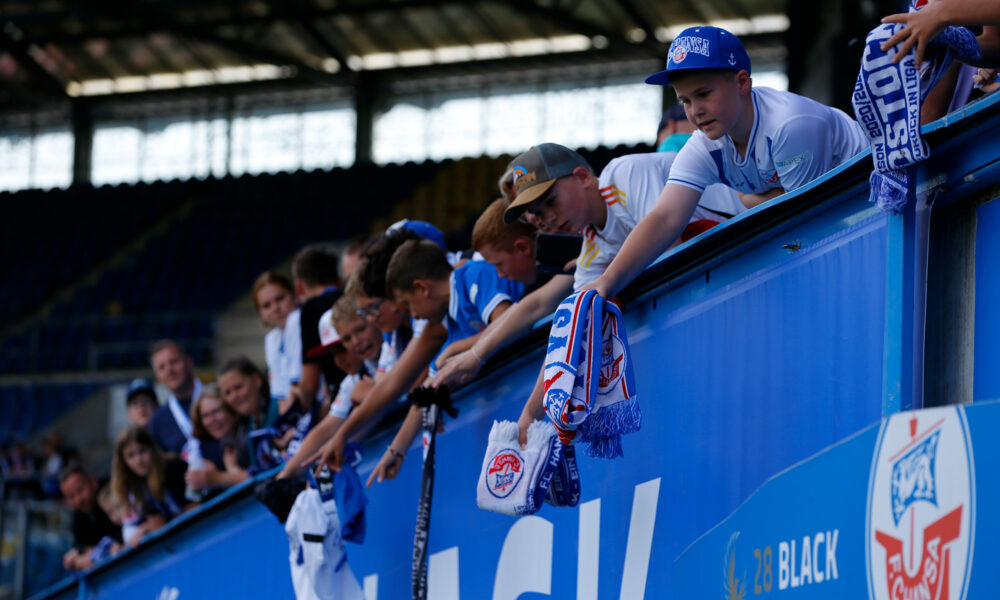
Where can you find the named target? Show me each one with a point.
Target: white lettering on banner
(817, 572)
(169, 593)
(640, 540)
(442, 575)
(588, 550)
(371, 587)
(813, 566)
(525, 563)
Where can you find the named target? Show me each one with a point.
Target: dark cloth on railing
(89, 528)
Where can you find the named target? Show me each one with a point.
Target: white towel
(515, 480)
(317, 551)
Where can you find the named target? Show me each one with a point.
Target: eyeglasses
(372, 311)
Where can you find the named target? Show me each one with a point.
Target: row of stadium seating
(30, 408)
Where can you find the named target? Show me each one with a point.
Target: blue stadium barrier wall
(757, 345)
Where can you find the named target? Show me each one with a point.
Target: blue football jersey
(476, 291)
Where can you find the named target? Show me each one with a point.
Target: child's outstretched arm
(651, 237)
(533, 408)
(392, 459)
(509, 326)
(418, 354)
(311, 445)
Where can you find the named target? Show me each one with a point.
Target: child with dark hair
(466, 299)
(409, 346)
(148, 485)
(317, 285)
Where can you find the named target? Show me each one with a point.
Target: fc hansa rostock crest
(921, 507)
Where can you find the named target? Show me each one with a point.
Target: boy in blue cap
(759, 141)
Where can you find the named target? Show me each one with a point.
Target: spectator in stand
(674, 131)
(141, 402)
(317, 286)
(508, 192)
(148, 485)
(91, 523)
(21, 460)
(466, 299)
(511, 250)
(223, 440)
(759, 141)
(170, 425)
(244, 389)
(52, 464)
(274, 298)
(351, 256)
(403, 361)
(356, 344)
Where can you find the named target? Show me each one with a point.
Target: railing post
(906, 298)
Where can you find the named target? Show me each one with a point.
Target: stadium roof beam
(570, 22)
(325, 44)
(12, 40)
(247, 49)
(166, 22)
(487, 23)
(640, 21)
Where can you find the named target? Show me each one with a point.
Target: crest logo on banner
(504, 473)
(921, 507)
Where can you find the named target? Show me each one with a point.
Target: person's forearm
(651, 237)
(408, 430)
(534, 407)
(517, 319)
(418, 354)
(968, 12)
(459, 346)
(312, 443)
(224, 479)
(752, 200)
(309, 384)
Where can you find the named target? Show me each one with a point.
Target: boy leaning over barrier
(558, 188)
(759, 141)
(465, 299)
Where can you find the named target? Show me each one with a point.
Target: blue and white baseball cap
(422, 228)
(703, 47)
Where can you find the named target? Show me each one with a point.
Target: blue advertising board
(899, 510)
(741, 370)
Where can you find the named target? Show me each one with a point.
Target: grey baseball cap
(536, 170)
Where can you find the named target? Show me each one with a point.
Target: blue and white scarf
(589, 384)
(887, 98)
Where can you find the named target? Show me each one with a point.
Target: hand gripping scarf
(589, 384)
(515, 480)
(887, 100)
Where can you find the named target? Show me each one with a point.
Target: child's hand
(282, 442)
(458, 369)
(332, 454)
(920, 28)
(200, 479)
(600, 286)
(388, 467)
